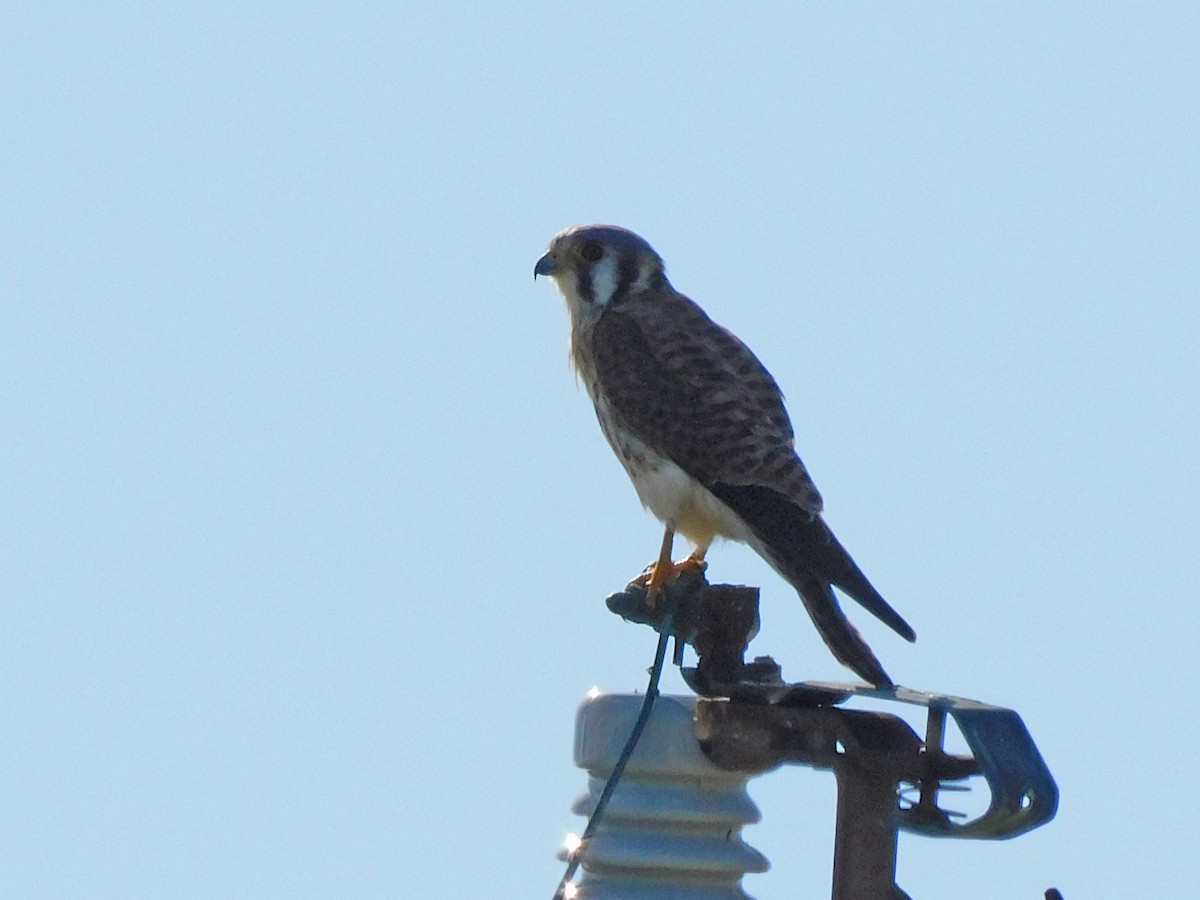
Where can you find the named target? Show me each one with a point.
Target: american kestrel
(700, 426)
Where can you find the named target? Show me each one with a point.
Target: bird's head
(596, 266)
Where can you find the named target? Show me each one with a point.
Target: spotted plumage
(700, 426)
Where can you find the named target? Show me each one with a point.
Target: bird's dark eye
(591, 251)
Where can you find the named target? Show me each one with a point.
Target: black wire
(610, 786)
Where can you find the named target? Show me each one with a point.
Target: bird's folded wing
(698, 396)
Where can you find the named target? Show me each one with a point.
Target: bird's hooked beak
(547, 265)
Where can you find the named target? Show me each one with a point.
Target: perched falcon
(700, 426)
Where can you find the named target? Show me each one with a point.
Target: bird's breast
(677, 498)
(670, 493)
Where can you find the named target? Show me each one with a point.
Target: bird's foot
(656, 575)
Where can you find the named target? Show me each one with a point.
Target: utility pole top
(746, 721)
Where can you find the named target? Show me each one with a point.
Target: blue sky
(307, 527)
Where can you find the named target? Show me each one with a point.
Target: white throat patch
(604, 280)
(643, 279)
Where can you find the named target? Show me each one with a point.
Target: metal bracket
(750, 719)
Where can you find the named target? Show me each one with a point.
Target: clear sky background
(306, 527)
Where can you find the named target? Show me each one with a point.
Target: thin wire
(610, 786)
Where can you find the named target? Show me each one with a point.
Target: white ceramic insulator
(673, 828)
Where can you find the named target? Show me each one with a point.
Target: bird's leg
(661, 571)
(664, 569)
(658, 573)
(694, 560)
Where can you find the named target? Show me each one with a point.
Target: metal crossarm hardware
(890, 778)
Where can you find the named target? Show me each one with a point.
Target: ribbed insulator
(672, 830)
